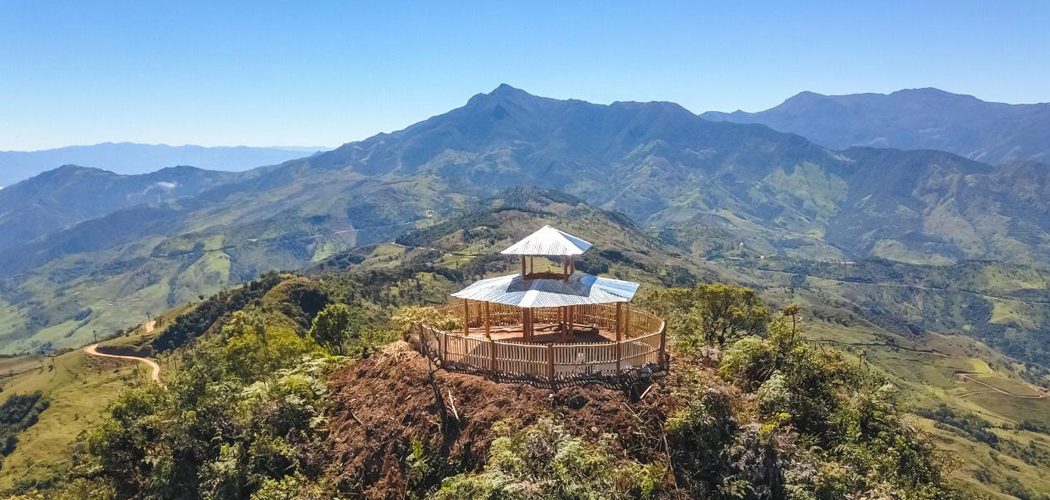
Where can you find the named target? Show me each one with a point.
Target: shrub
(544, 461)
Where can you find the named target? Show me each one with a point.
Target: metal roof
(579, 289)
(548, 241)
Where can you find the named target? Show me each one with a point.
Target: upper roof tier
(548, 241)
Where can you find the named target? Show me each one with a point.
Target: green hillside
(971, 399)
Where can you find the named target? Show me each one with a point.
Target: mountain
(130, 158)
(70, 194)
(928, 118)
(712, 189)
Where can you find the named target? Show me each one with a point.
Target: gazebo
(563, 291)
(548, 324)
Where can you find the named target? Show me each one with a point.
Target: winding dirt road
(155, 376)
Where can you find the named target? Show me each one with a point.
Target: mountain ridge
(712, 189)
(924, 118)
(135, 158)
(70, 194)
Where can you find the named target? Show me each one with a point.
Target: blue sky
(325, 73)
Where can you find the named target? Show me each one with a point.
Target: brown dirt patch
(383, 404)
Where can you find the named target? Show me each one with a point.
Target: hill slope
(928, 118)
(70, 194)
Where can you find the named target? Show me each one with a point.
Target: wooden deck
(589, 353)
(546, 333)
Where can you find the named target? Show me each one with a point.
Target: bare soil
(382, 405)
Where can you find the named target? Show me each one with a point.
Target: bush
(545, 461)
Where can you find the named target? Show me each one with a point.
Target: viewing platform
(548, 327)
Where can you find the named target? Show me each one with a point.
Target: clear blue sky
(325, 73)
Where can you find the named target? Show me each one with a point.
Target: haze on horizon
(328, 72)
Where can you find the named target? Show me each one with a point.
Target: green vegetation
(546, 461)
(237, 418)
(208, 313)
(18, 413)
(710, 314)
(77, 388)
(821, 429)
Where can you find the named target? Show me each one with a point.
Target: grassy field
(79, 388)
(930, 370)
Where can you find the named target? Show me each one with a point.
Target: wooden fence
(645, 343)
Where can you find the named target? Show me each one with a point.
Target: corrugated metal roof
(579, 289)
(548, 241)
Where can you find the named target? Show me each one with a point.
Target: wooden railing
(644, 344)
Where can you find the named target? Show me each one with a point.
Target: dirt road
(155, 376)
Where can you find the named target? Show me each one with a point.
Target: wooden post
(522, 267)
(561, 319)
(444, 346)
(488, 322)
(532, 323)
(550, 364)
(619, 337)
(466, 317)
(572, 319)
(564, 312)
(525, 324)
(627, 321)
(663, 346)
(492, 361)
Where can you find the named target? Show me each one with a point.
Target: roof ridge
(541, 242)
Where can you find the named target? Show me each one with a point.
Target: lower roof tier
(578, 289)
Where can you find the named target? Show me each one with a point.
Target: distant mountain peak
(918, 118)
(505, 89)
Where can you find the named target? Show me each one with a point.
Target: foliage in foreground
(807, 425)
(244, 413)
(544, 461)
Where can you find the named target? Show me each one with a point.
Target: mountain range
(927, 118)
(712, 189)
(131, 158)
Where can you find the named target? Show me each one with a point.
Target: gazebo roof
(578, 289)
(548, 241)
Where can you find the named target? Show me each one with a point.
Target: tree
(727, 312)
(255, 349)
(715, 314)
(334, 327)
